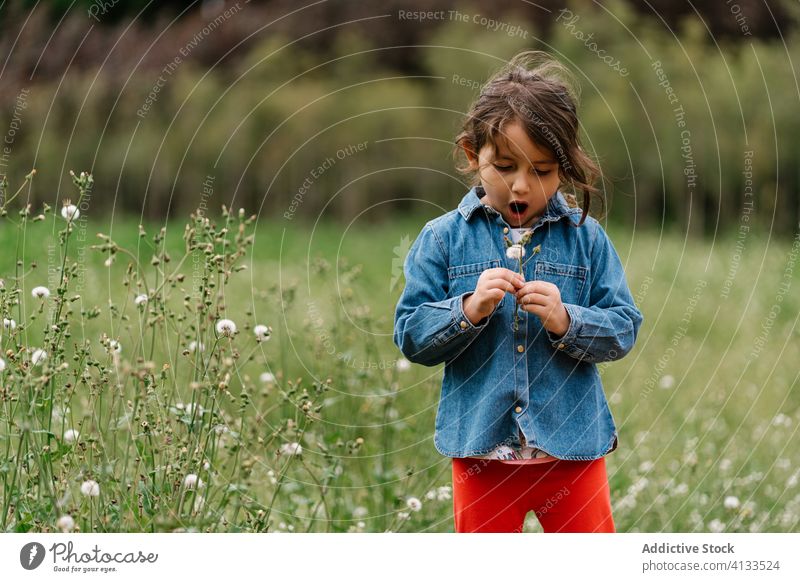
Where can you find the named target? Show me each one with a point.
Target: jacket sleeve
(606, 330)
(429, 327)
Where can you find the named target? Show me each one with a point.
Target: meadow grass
(322, 425)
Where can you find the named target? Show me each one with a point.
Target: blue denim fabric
(496, 381)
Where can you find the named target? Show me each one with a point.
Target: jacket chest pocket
(464, 278)
(570, 279)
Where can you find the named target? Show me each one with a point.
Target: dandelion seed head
(69, 211)
(413, 504)
(403, 365)
(65, 523)
(192, 481)
(515, 252)
(291, 449)
(40, 292)
(9, 323)
(38, 357)
(90, 488)
(71, 435)
(226, 327)
(266, 377)
(140, 300)
(731, 502)
(263, 332)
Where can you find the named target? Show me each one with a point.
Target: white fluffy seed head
(263, 332)
(38, 357)
(70, 212)
(65, 523)
(71, 435)
(40, 292)
(192, 481)
(226, 327)
(140, 300)
(90, 488)
(515, 252)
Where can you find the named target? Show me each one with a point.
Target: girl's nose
(520, 185)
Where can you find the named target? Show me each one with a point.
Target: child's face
(520, 179)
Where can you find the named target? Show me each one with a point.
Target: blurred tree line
(329, 110)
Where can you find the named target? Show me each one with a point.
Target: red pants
(567, 496)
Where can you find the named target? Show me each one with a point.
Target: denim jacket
(499, 382)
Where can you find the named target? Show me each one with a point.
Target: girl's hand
(543, 299)
(490, 289)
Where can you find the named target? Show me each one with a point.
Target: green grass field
(707, 404)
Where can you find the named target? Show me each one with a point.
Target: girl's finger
(502, 284)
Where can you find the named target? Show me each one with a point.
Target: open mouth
(517, 209)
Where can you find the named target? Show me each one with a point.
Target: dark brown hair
(538, 91)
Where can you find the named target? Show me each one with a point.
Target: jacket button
(518, 409)
(520, 348)
(561, 346)
(463, 325)
(505, 230)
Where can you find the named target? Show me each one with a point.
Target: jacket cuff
(566, 342)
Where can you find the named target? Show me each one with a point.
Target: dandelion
(90, 488)
(716, 526)
(140, 300)
(666, 381)
(414, 504)
(38, 357)
(40, 292)
(731, 502)
(69, 211)
(403, 365)
(403, 515)
(267, 377)
(114, 346)
(192, 481)
(443, 493)
(515, 252)
(291, 449)
(263, 332)
(226, 327)
(9, 324)
(646, 466)
(65, 523)
(70, 436)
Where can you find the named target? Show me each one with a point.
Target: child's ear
(472, 157)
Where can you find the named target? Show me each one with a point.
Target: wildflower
(69, 211)
(65, 523)
(291, 449)
(38, 357)
(443, 492)
(414, 504)
(403, 365)
(114, 346)
(70, 436)
(267, 377)
(667, 381)
(2, 364)
(90, 488)
(140, 300)
(9, 323)
(40, 292)
(515, 252)
(360, 511)
(226, 327)
(193, 345)
(403, 515)
(716, 526)
(646, 466)
(263, 332)
(192, 481)
(199, 502)
(731, 502)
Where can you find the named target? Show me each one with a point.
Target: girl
(521, 302)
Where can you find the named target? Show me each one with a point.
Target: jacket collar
(556, 207)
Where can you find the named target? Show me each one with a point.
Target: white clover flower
(191, 481)
(90, 488)
(65, 523)
(193, 345)
(263, 332)
(291, 449)
(515, 252)
(731, 502)
(69, 211)
(226, 327)
(414, 504)
(403, 365)
(40, 292)
(267, 377)
(9, 323)
(38, 357)
(667, 382)
(71, 435)
(2, 365)
(140, 300)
